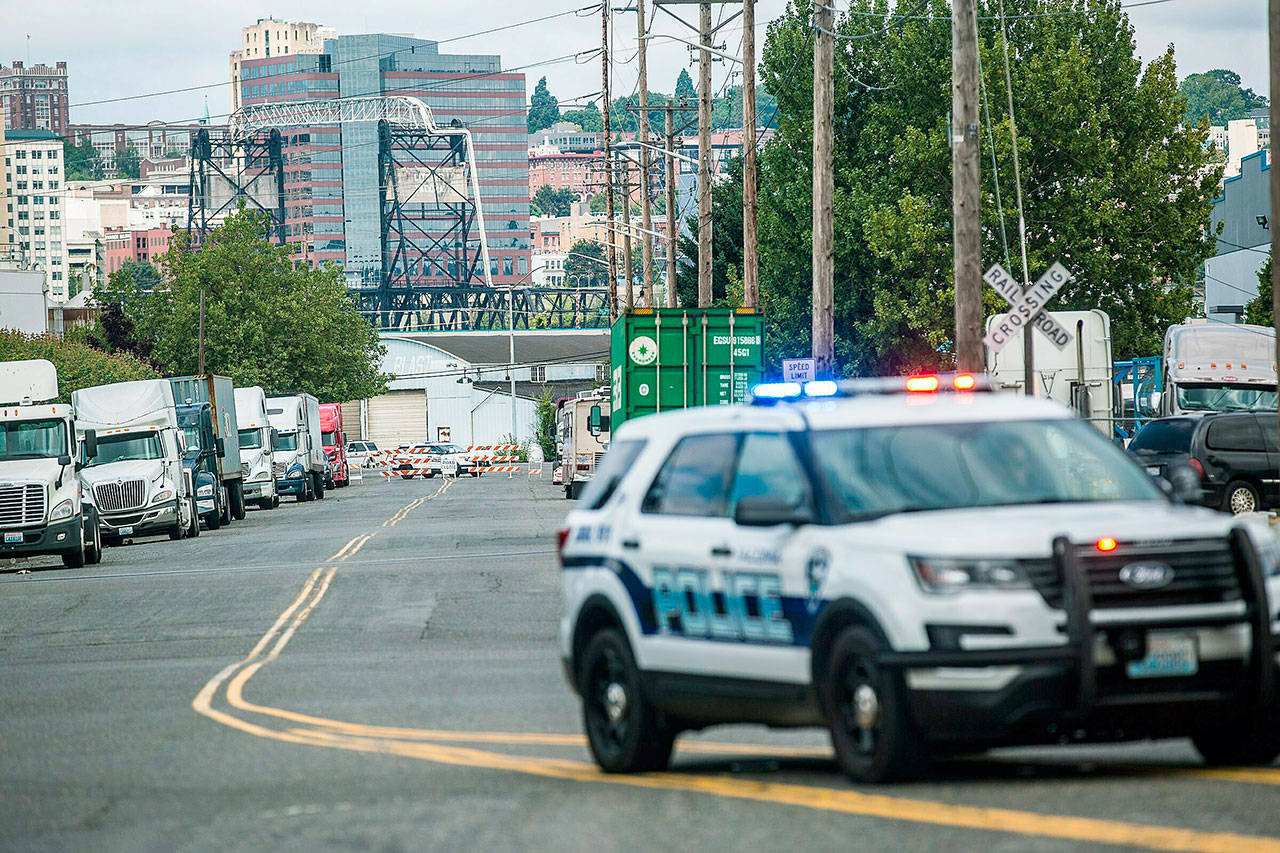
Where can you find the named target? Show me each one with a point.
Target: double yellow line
(437, 746)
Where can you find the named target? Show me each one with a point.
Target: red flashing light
(1106, 543)
(562, 536)
(965, 382)
(922, 383)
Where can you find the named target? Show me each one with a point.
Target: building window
(522, 265)
(602, 371)
(538, 373)
(506, 266)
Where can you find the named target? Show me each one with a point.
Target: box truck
(582, 437)
(334, 440)
(300, 463)
(219, 393)
(137, 480)
(256, 456)
(41, 509)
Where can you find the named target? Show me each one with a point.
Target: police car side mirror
(768, 510)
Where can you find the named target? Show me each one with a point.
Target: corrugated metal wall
(351, 420)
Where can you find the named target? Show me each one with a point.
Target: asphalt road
(378, 671)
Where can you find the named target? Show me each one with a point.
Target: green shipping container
(673, 358)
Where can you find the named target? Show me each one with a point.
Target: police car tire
(1247, 742)
(643, 742)
(897, 752)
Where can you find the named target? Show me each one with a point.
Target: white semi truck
(137, 480)
(41, 510)
(300, 461)
(256, 439)
(1217, 367)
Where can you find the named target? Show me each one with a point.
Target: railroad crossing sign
(1027, 307)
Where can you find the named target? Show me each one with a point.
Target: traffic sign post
(1028, 306)
(797, 369)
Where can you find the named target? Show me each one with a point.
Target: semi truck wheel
(74, 559)
(320, 486)
(93, 553)
(225, 509)
(193, 528)
(237, 501)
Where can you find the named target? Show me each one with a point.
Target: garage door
(351, 420)
(398, 417)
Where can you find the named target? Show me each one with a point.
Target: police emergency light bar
(769, 393)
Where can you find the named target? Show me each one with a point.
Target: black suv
(1236, 456)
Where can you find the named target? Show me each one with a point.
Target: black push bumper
(56, 538)
(1062, 693)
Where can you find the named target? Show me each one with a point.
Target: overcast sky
(143, 46)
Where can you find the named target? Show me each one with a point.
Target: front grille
(244, 470)
(277, 469)
(21, 504)
(122, 496)
(1203, 573)
(599, 457)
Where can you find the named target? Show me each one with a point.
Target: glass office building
(331, 179)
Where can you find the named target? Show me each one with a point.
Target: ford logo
(1147, 575)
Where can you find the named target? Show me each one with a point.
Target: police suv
(917, 565)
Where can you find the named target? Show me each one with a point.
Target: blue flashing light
(821, 388)
(776, 390)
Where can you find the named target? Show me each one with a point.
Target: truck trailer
(41, 508)
(300, 463)
(137, 479)
(219, 393)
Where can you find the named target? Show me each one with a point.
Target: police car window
(617, 461)
(876, 471)
(767, 465)
(695, 478)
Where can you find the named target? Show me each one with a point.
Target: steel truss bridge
(436, 271)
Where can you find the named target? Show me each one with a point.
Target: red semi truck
(334, 440)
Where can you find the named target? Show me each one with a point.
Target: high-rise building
(332, 174)
(272, 38)
(33, 170)
(35, 98)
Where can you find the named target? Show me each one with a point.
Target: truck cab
(41, 508)
(256, 439)
(201, 461)
(334, 440)
(300, 461)
(1217, 367)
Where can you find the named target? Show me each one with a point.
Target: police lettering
(748, 608)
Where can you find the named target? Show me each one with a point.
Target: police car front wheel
(624, 731)
(871, 728)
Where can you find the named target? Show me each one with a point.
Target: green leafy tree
(684, 88)
(79, 364)
(546, 437)
(1258, 311)
(588, 119)
(549, 202)
(267, 322)
(81, 162)
(544, 109)
(726, 110)
(1129, 225)
(1218, 96)
(585, 265)
(129, 163)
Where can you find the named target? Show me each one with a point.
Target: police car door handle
(721, 551)
(630, 543)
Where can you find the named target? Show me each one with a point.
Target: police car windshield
(876, 471)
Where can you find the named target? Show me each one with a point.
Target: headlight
(61, 511)
(949, 576)
(1268, 549)
(295, 467)
(204, 492)
(162, 496)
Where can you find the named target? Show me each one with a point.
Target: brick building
(35, 98)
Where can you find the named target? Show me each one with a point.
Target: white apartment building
(35, 200)
(269, 37)
(1240, 138)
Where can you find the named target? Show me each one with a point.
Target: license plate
(13, 538)
(125, 531)
(1168, 656)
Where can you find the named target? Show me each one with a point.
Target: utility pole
(965, 165)
(750, 260)
(646, 215)
(200, 368)
(608, 161)
(823, 190)
(1274, 15)
(704, 155)
(627, 273)
(673, 299)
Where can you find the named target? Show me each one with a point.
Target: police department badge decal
(815, 572)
